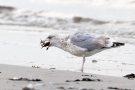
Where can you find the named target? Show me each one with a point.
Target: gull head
(51, 40)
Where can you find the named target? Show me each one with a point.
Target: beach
(52, 79)
(20, 45)
(24, 63)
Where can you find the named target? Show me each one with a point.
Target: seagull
(80, 44)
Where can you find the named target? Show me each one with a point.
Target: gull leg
(83, 64)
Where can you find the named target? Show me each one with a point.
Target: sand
(59, 80)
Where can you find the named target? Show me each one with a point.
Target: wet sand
(17, 77)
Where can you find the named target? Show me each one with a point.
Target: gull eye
(50, 37)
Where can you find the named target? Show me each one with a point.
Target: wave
(78, 19)
(6, 8)
(38, 19)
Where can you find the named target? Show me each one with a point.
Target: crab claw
(45, 44)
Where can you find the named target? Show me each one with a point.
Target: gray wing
(85, 40)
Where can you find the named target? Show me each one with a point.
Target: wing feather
(86, 41)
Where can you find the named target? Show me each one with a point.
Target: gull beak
(45, 44)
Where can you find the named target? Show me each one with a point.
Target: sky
(41, 3)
